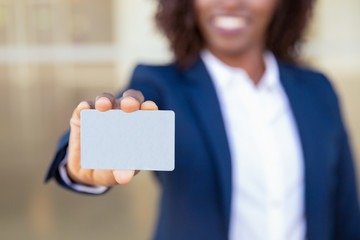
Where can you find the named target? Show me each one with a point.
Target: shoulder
(305, 74)
(315, 87)
(311, 80)
(155, 72)
(155, 81)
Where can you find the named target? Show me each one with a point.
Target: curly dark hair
(177, 20)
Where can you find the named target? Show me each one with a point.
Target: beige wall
(334, 48)
(54, 53)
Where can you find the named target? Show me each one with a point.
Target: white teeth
(229, 22)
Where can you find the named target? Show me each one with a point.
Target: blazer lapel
(309, 126)
(203, 99)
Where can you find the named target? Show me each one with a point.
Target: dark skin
(131, 101)
(234, 31)
(240, 42)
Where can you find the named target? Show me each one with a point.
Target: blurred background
(55, 53)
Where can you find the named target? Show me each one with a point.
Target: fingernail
(123, 176)
(129, 100)
(104, 100)
(83, 105)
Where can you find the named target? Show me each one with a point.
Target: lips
(229, 23)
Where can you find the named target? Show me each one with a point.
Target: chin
(232, 48)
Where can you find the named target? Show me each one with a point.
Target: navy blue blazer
(195, 197)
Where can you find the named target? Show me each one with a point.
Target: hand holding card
(131, 101)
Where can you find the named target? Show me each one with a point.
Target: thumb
(123, 176)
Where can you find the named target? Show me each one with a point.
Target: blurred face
(232, 27)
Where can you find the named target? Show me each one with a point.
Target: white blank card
(141, 140)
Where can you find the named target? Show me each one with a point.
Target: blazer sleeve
(347, 210)
(143, 80)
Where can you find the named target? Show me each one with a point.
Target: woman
(261, 149)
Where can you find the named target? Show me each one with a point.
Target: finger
(135, 94)
(107, 95)
(123, 176)
(149, 105)
(117, 103)
(103, 177)
(82, 105)
(105, 102)
(129, 104)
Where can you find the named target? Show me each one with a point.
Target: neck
(252, 61)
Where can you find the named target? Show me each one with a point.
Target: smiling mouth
(229, 23)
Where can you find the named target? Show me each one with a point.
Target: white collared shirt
(267, 163)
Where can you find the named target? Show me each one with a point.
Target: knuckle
(86, 176)
(128, 91)
(73, 120)
(131, 92)
(105, 94)
(136, 94)
(91, 104)
(108, 95)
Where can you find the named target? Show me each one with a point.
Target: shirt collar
(223, 74)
